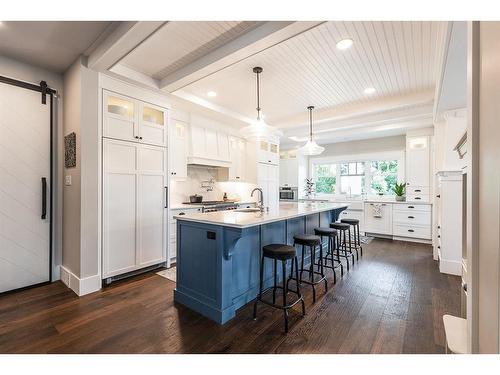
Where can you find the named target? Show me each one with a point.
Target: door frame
(45, 91)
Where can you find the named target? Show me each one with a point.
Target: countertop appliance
(195, 198)
(289, 194)
(212, 206)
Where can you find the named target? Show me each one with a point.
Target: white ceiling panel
(181, 42)
(396, 58)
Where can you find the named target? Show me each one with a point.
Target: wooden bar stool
(335, 262)
(282, 253)
(357, 238)
(343, 246)
(311, 241)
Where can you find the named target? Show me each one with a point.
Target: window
(357, 177)
(325, 176)
(384, 175)
(352, 178)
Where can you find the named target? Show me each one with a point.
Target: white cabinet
(129, 119)
(172, 247)
(178, 149)
(268, 180)
(378, 221)
(134, 206)
(412, 220)
(268, 152)
(354, 214)
(237, 149)
(418, 168)
(289, 168)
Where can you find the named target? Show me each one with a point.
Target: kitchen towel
(377, 209)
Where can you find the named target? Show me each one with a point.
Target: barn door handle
(44, 198)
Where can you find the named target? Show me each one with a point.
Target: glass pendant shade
(311, 147)
(258, 128)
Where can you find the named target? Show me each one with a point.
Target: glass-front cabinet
(130, 119)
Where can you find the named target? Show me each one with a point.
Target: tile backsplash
(181, 190)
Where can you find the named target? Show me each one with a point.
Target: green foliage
(399, 189)
(326, 184)
(384, 176)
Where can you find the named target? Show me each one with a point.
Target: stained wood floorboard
(391, 301)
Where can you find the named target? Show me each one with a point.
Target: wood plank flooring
(391, 301)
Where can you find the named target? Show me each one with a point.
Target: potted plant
(399, 190)
(309, 188)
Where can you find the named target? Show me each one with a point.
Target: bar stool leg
(344, 248)
(350, 247)
(298, 284)
(311, 272)
(260, 288)
(321, 261)
(302, 266)
(359, 241)
(330, 251)
(275, 280)
(285, 290)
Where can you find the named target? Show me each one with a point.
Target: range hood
(207, 162)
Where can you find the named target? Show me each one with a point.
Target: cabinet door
(152, 125)
(211, 145)
(222, 146)
(263, 151)
(198, 142)
(382, 224)
(119, 207)
(274, 153)
(273, 186)
(119, 117)
(292, 172)
(284, 172)
(417, 157)
(178, 155)
(242, 152)
(151, 202)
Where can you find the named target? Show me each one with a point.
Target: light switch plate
(67, 180)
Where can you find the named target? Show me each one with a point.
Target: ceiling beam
(264, 36)
(127, 36)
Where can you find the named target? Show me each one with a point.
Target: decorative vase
(400, 198)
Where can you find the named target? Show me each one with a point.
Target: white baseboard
(451, 267)
(82, 286)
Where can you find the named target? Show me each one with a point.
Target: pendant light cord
(310, 108)
(258, 96)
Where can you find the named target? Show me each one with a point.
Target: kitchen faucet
(261, 201)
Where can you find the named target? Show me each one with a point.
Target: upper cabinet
(178, 149)
(289, 168)
(418, 168)
(268, 152)
(130, 119)
(238, 168)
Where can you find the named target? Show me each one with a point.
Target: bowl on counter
(195, 198)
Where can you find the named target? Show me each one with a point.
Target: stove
(212, 206)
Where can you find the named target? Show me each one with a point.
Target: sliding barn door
(24, 188)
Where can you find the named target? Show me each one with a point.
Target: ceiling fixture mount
(259, 129)
(311, 147)
(344, 44)
(369, 90)
(212, 94)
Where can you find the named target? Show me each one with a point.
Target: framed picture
(70, 150)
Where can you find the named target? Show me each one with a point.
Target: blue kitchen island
(218, 253)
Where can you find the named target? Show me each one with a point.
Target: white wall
(447, 134)
(366, 146)
(33, 74)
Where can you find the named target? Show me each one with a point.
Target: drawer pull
(411, 206)
(411, 217)
(411, 230)
(418, 191)
(418, 198)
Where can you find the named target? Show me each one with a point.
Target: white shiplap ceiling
(396, 58)
(179, 43)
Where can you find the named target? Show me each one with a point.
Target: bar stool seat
(340, 226)
(307, 239)
(325, 231)
(279, 251)
(357, 238)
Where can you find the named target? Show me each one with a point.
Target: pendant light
(259, 129)
(311, 147)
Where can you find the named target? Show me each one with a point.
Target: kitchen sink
(248, 209)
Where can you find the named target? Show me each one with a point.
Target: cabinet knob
(140, 137)
(136, 137)
(438, 196)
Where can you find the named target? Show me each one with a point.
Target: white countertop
(374, 200)
(249, 219)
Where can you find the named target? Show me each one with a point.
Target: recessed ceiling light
(212, 94)
(344, 44)
(369, 90)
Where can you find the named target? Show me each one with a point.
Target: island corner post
(218, 265)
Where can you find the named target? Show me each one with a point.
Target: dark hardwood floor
(392, 301)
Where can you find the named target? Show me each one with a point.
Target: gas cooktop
(210, 203)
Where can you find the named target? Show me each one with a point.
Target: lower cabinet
(354, 214)
(378, 218)
(172, 246)
(134, 206)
